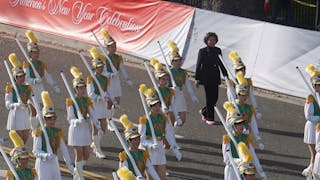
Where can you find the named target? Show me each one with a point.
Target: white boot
(307, 171)
(78, 174)
(97, 147)
(110, 113)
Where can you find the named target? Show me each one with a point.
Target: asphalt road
(282, 126)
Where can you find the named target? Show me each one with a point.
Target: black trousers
(212, 93)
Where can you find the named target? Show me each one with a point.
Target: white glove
(129, 82)
(113, 75)
(177, 153)
(1, 141)
(50, 156)
(195, 100)
(37, 81)
(259, 115)
(261, 146)
(16, 105)
(154, 146)
(164, 110)
(70, 167)
(57, 89)
(77, 121)
(99, 98)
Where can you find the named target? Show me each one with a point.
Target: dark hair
(210, 34)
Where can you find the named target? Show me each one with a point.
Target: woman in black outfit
(208, 75)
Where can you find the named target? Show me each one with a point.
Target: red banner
(133, 24)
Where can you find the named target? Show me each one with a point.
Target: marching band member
(181, 79)
(79, 131)
(238, 66)
(237, 122)
(47, 164)
(246, 166)
(312, 115)
(99, 100)
(140, 156)
(36, 78)
(17, 102)
(162, 129)
(20, 156)
(167, 93)
(316, 166)
(246, 109)
(112, 70)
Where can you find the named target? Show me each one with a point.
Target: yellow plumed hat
(159, 70)
(150, 94)
(48, 108)
(173, 51)
(96, 61)
(33, 42)
(237, 62)
(233, 116)
(125, 174)
(242, 87)
(17, 68)
(314, 74)
(246, 165)
(130, 130)
(108, 40)
(78, 77)
(19, 150)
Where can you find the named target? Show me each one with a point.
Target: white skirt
(180, 101)
(316, 165)
(229, 173)
(37, 90)
(115, 89)
(158, 156)
(48, 170)
(18, 119)
(309, 133)
(100, 109)
(79, 135)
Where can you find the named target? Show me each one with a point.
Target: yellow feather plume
(153, 61)
(234, 56)
(126, 123)
(75, 72)
(30, 36)
(104, 33)
(16, 139)
(310, 68)
(228, 106)
(173, 46)
(94, 53)
(244, 152)
(142, 88)
(157, 66)
(125, 174)
(240, 78)
(14, 60)
(149, 92)
(46, 100)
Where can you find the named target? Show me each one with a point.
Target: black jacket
(208, 64)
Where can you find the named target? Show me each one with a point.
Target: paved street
(282, 126)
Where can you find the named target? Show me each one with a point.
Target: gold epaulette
(34, 172)
(252, 109)
(318, 127)
(120, 58)
(30, 88)
(249, 139)
(69, 102)
(8, 88)
(225, 139)
(309, 99)
(250, 83)
(90, 102)
(122, 156)
(44, 65)
(60, 133)
(165, 117)
(89, 80)
(172, 92)
(143, 119)
(25, 64)
(103, 57)
(8, 174)
(38, 132)
(146, 154)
